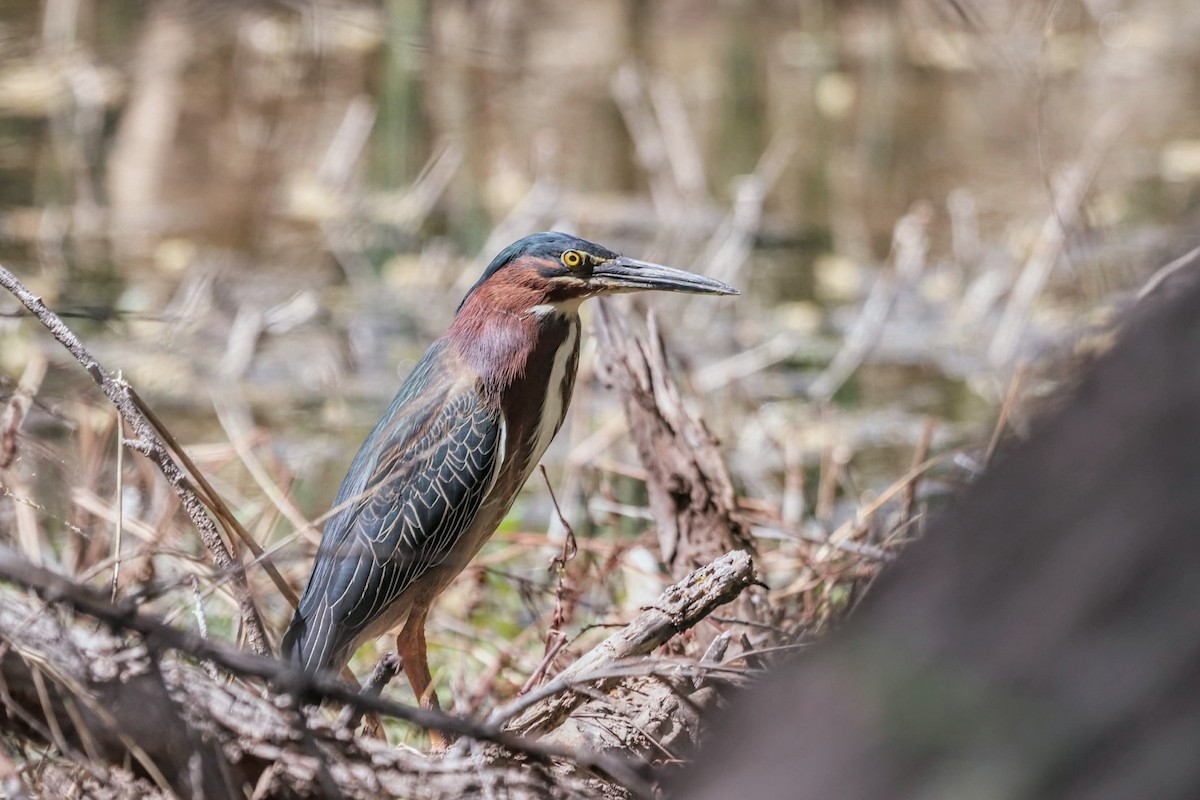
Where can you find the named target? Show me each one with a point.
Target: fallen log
(120, 694)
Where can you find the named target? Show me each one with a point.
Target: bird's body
(467, 428)
(450, 459)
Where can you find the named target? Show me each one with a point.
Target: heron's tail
(304, 644)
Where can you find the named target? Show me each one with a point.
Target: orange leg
(410, 644)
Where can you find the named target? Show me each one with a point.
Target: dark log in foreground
(1041, 642)
(103, 698)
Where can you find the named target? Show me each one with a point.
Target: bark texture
(107, 700)
(690, 490)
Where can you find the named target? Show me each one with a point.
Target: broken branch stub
(677, 609)
(688, 484)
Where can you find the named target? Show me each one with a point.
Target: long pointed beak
(623, 274)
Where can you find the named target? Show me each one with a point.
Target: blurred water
(286, 203)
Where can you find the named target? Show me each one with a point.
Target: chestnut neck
(499, 327)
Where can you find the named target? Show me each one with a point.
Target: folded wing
(412, 491)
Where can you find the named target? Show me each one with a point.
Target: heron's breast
(535, 402)
(532, 410)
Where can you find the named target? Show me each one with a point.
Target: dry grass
(266, 293)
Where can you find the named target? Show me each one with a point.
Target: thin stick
(18, 407)
(1067, 197)
(564, 593)
(1163, 274)
(232, 418)
(554, 642)
(120, 504)
(1010, 400)
(209, 496)
(910, 245)
(909, 500)
(570, 546)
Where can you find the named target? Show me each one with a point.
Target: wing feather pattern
(413, 489)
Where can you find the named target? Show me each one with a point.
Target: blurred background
(261, 214)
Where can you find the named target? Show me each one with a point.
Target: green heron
(461, 437)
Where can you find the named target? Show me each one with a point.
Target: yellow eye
(572, 258)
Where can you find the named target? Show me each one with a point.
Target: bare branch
(119, 393)
(678, 608)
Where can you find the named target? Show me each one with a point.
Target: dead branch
(124, 616)
(691, 493)
(688, 483)
(98, 699)
(149, 444)
(107, 700)
(678, 608)
(103, 698)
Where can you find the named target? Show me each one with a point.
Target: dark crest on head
(549, 245)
